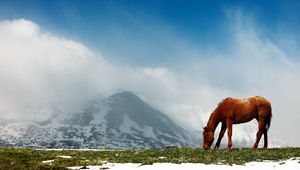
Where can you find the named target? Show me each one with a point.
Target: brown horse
(234, 111)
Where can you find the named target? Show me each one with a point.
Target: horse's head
(208, 138)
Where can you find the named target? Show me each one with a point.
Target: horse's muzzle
(206, 147)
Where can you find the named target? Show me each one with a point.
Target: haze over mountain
(120, 120)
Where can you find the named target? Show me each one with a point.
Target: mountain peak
(124, 98)
(125, 95)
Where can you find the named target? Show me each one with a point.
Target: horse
(235, 111)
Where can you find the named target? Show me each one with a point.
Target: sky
(182, 57)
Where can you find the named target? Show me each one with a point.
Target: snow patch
(48, 161)
(290, 164)
(64, 156)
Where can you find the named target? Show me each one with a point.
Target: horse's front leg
(229, 132)
(222, 131)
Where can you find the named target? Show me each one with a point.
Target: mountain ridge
(120, 121)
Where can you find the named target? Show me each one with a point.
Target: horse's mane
(220, 103)
(216, 109)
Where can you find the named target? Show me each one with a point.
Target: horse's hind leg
(222, 131)
(261, 129)
(265, 138)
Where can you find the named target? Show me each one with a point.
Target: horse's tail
(268, 121)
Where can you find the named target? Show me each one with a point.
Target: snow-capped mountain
(118, 120)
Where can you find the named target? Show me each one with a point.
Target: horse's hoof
(229, 146)
(254, 147)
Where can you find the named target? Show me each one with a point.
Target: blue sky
(175, 54)
(139, 32)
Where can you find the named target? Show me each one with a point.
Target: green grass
(21, 158)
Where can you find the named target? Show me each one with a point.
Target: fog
(38, 68)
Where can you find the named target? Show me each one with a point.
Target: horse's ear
(204, 131)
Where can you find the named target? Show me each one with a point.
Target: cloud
(256, 64)
(39, 68)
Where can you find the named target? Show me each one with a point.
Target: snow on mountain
(118, 119)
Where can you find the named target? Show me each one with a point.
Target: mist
(38, 68)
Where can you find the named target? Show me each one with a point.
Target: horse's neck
(213, 122)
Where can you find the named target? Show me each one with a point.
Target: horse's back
(263, 106)
(260, 102)
(244, 110)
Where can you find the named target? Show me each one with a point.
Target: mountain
(120, 120)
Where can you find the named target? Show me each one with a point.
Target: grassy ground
(20, 158)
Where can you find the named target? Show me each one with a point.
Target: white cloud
(158, 72)
(19, 27)
(38, 68)
(257, 65)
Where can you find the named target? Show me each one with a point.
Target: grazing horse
(234, 111)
